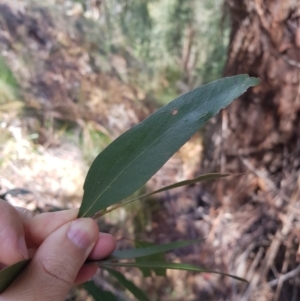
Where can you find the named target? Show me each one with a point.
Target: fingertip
(39, 227)
(58, 261)
(105, 245)
(83, 233)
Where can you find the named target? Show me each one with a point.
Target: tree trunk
(259, 136)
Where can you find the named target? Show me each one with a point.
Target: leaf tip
(254, 80)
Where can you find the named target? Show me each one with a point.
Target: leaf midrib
(123, 170)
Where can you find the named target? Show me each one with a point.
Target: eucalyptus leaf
(165, 265)
(137, 292)
(210, 176)
(150, 249)
(97, 293)
(147, 251)
(9, 274)
(206, 177)
(135, 156)
(158, 256)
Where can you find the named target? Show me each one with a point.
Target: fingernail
(22, 248)
(80, 234)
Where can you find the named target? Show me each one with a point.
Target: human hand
(58, 244)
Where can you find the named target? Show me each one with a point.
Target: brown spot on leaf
(174, 112)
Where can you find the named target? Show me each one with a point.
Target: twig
(285, 277)
(291, 62)
(264, 177)
(255, 263)
(252, 286)
(284, 267)
(273, 250)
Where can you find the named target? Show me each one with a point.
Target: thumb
(54, 267)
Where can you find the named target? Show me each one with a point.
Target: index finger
(40, 226)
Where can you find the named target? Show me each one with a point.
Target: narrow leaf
(160, 256)
(134, 157)
(150, 250)
(9, 274)
(211, 176)
(166, 265)
(137, 292)
(202, 178)
(97, 293)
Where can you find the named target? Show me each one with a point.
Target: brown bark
(264, 125)
(265, 43)
(259, 136)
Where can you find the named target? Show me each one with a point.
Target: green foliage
(99, 294)
(128, 162)
(154, 257)
(164, 42)
(130, 286)
(181, 15)
(9, 274)
(92, 142)
(166, 265)
(134, 157)
(8, 83)
(136, 22)
(212, 176)
(148, 249)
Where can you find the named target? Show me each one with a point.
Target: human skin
(58, 244)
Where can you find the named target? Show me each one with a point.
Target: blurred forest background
(76, 74)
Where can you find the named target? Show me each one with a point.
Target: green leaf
(137, 292)
(97, 293)
(134, 157)
(210, 176)
(148, 248)
(157, 256)
(165, 265)
(147, 251)
(9, 274)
